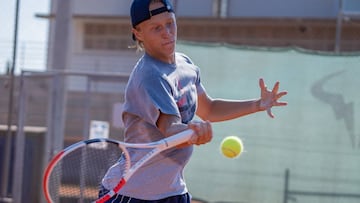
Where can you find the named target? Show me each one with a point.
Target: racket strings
(78, 175)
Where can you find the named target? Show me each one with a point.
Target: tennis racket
(75, 173)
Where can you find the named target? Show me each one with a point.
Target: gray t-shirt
(156, 87)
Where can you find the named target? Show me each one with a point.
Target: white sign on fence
(99, 129)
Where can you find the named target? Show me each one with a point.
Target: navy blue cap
(140, 10)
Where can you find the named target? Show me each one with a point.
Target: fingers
(276, 88)
(270, 98)
(280, 104)
(203, 132)
(262, 84)
(269, 112)
(278, 96)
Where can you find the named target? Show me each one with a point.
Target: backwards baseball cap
(140, 11)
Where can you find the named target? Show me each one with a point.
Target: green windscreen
(310, 151)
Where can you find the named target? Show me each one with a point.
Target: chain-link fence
(56, 109)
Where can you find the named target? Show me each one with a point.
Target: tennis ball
(231, 146)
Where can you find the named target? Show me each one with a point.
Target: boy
(163, 94)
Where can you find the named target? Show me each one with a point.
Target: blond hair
(139, 46)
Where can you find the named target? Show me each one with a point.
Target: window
(106, 36)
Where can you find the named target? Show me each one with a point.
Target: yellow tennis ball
(231, 146)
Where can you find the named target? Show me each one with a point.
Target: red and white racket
(76, 172)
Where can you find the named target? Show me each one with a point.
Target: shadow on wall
(342, 110)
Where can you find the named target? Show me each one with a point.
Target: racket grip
(179, 138)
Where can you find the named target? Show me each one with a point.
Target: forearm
(222, 110)
(170, 124)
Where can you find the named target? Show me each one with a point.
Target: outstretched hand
(270, 98)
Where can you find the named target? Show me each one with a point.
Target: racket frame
(157, 147)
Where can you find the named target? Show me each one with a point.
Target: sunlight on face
(158, 34)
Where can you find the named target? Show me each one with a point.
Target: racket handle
(178, 138)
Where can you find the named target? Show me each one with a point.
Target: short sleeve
(160, 92)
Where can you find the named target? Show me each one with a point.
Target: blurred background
(64, 65)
